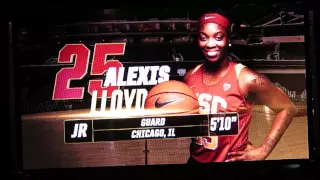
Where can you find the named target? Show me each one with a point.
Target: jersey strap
(238, 67)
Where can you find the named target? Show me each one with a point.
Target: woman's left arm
(262, 90)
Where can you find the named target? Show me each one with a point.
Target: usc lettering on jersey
(225, 96)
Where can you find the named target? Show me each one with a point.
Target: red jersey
(224, 96)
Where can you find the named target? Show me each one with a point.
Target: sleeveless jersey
(224, 96)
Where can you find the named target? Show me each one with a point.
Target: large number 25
(209, 104)
(79, 55)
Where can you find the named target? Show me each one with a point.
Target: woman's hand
(251, 153)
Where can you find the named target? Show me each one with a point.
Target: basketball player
(223, 85)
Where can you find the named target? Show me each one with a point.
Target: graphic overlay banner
(96, 130)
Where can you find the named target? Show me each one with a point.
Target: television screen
(132, 87)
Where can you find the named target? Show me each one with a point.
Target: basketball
(172, 97)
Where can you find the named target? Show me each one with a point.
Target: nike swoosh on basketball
(161, 104)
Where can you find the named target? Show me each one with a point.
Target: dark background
(37, 41)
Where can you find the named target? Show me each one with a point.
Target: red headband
(215, 18)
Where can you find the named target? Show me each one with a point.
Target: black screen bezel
(176, 170)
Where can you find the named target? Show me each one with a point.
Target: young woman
(223, 85)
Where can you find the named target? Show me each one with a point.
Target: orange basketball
(172, 97)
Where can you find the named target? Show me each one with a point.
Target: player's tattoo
(269, 144)
(260, 80)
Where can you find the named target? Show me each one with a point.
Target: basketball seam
(171, 92)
